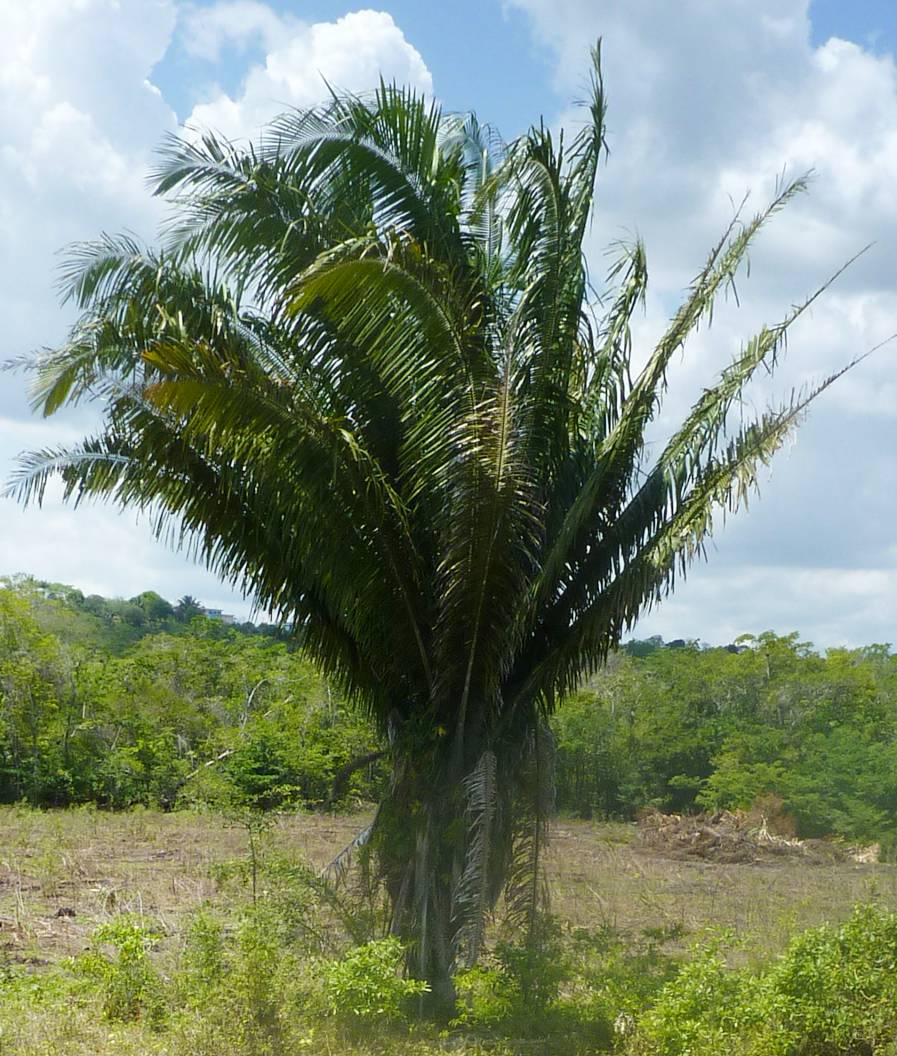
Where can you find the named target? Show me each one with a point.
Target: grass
(97, 865)
(65, 874)
(601, 876)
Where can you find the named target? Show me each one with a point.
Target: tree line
(96, 710)
(769, 720)
(177, 713)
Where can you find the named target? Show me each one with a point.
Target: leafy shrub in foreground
(131, 987)
(366, 983)
(570, 989)
(240, 991)
(833, 993)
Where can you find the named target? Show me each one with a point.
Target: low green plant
(203, 960)
(833, 993)
(570, 989)
(366, 983)
(255, 977)
(241, 990)
(535, 970)
(614, 977)
(132, 988)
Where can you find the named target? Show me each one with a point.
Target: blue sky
(708, 99)
(872, 23)
(482, 56)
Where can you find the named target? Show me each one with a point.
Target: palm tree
(363, 382)
(186, 608)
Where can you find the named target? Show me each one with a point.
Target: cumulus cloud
(238, 23)
(351, 53)
(708, 101)
(78, 119)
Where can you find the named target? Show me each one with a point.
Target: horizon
(16, 579)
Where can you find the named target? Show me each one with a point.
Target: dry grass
(95, 865)
(601, 877)
(161, 865)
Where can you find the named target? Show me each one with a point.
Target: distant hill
(115, 624)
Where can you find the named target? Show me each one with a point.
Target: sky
(708, 100)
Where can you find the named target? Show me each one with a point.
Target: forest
(121, 703)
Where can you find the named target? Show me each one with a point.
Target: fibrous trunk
(451, 839)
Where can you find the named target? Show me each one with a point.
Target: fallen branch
(209, 762)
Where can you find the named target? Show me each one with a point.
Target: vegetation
(363, 381)
(684, 729)
(208, 714)
(140, 933)
(189, 933)
(229, 716)
(834, 991)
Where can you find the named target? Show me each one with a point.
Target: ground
(63, 873)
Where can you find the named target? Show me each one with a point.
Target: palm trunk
(418, 849)
(447, 841)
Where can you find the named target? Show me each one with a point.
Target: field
(64, 874)
(95, 865)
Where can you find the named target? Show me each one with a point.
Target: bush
(242, 993)
(366, 983)
(566, 989)
(833, 993)
(131, 987)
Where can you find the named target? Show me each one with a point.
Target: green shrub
(551, 988)
(244, 992)
(366, 983)
(203, 960)
(519, 985)
(833, 993)
(707, 1009)
(836, 988)
(614, 978)
(131, 987)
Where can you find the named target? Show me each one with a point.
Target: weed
(366, 983)
(833, 993)
(131, 987)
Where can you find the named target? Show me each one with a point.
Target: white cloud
(351, 53)
(850, 607)
(206, 30)
(95, 55)
(79, 121)
(97, 548)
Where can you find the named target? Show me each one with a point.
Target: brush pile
(738, 837)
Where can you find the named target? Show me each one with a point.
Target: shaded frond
(474, 897)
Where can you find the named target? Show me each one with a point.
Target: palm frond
(526, 892)
(473, 896)
(621, 588)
